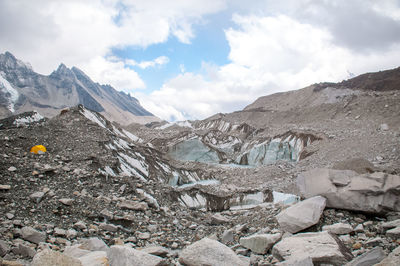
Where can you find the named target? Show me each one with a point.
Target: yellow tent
(38, 149)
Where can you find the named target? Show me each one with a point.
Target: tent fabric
(38, 149)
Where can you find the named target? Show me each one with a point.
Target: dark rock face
(63, 88)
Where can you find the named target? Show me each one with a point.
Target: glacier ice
(193, 150)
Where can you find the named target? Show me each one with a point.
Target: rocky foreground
(65, 207)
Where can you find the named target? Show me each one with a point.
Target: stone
(357, 245)
(373, 242)
(80, 225)
(373, 192)
(370, 257)
(209, 252)
(66, 201)
(393, 259)
(384, 127)
(321, 247)
(394, 233)
(94, 244)
(260, 243)
(338, 228)
(9, 215)
(108, 227)
(144, 235)
(12, 169)
(156, 251)
(37, 196)
(301, 215)
(218, 218)
(391, 224)
(126, 256)
(227, 236)
(75, 251)
(59, 232)
(95, 258)
(32, 235)
(346, 239)
(48, 257)
(71, 233)
(24, 251)
(133, 205)
(4, 248)
(107, 214)
(359, 228)
(5, 187)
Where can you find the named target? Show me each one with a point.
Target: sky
(190, 59)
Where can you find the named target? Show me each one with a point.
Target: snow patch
(6, 87)
(28, 119)
(91, 116)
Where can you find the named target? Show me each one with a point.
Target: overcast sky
(187, 59)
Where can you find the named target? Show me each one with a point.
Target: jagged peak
(63, 71)
(8, 60)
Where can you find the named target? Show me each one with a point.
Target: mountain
(22, 89)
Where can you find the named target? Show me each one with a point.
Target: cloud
(268, 54)
(48, 32)
(115, 73)
(159, 61)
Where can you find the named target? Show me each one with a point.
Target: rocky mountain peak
(9, 61)
(63, 71)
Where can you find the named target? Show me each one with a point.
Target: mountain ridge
(64, 87)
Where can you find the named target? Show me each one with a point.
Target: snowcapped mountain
(22, 90)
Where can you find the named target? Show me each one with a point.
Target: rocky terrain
(309, 177)
(23, 90)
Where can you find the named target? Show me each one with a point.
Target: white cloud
(48, 32)
(268, 54)
(159, 61)
(114, 73)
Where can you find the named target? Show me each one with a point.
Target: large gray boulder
(393, 259)
(32, 235)
(344, 189)
(127, 256)
(49, 257)
(321, 247)
(209, 252)
(371, 257)
(301, 215)
(260, 243)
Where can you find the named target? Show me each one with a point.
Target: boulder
(126, 256)
(344, 189)
(391, 224)
(301, 215)
(48, 257)
(260, 243)
(32, 235)
(209, 252)
(133, 205)
(75, 251)
(156, 251)
(338, 228)
(94, 244)
(95, 258)
(394, 233)
(393, 259)
(4, 248)
(371, 257)
(321, 247)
